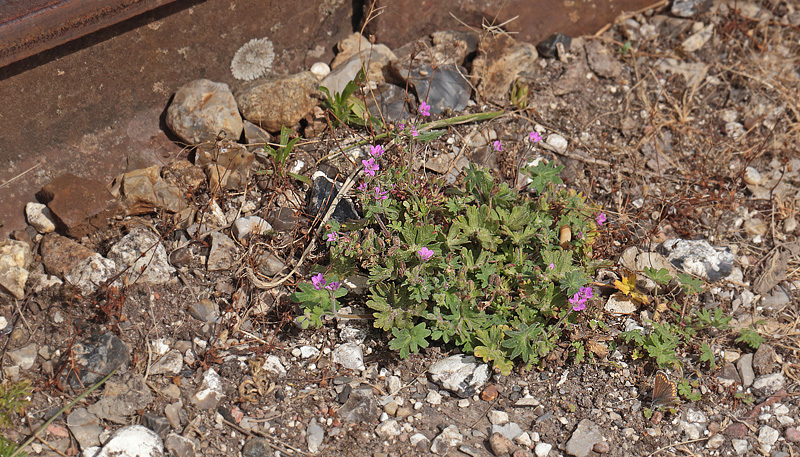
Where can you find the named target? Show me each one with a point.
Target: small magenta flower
(601, 218)
(497, 146)
(401, 126)
(362, 187)
(534, 137)
(425, 254)
(586, 292)
(370, 167)
(333, 286)
(318, 280)
(424, 109)
(552, 266)
(577, 303)
(376, 150)
(380, 194)
(414, 132)
(333, 236)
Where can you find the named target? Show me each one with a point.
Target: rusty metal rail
(28, 27)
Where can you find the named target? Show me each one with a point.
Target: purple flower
(333, 286)
(318, 280)
(578, 301)
(425, 254)
(601, 218)
(379, 194)
(424, 109)
(401, 126)
(362, 187)
(534, 137)
(333, 236)
(376, 150)
(497, 146)
(414, 132)
(370, 167)
(552, 266)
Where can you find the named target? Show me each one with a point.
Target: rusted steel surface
(28, 27)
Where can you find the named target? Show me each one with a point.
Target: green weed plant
(480, 266)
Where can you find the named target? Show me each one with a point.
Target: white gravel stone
(320, 70)
(350, 356)
(388, 429)
(133, 441)
(40, 217)
(557, 142)
(542, 449)
(524, 440)
(767, 437)
(740, 446)
(498, 417)
(434, 398)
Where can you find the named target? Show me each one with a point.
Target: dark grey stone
(93, 359)
(548, 47)
(322, 196)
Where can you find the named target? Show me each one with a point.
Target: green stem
(69, 405)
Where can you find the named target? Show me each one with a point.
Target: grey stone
(205, 311)
(549, 47)
(602, 60)
(699, 258)
(393, 384)
(133, 441)
(179, 446)
(210, 392)
(40, 217)
(745, 367)
(388, 429)
(444, 88)
(765, 359)
(256, 447)
(314, 436)
(322, 195)
(690, 8)
(420, 442)
(769, 384)
(142, 256)
(173, 412)
(584, 438)
(158, 424)
(449, 439)
(255, 136)
(740, 446)
(619, 305)
(767, 437)
(361, 406)
(349, 355)
(91, 272)
(279, 102)
(122, 397)
(85, 427)
(273, 365)
(170, 363)
(460, 374)
(776, 301)
(730, 373)
(497, 417)
(25, 356)
(373, 57)
(15, 258)
(222, 254)
(510, 430)
(202, 109)
(388, 101)
(244, 226)
(94, 358)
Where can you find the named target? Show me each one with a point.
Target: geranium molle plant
(480, 266)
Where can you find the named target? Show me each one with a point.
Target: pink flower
(379, 194)
(333, 236)
(370, 167)
(425, 254)
(497, 146)
(362, 187)
(578, 301)
(401, 126)
(318, 281)
(333, 286)
(376, 151)
(424, 109)
(534, 137)
(414, 132)
(601, 218)
(552, 266)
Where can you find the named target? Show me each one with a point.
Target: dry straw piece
(253, 59)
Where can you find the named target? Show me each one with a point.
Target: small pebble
(489, 393)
